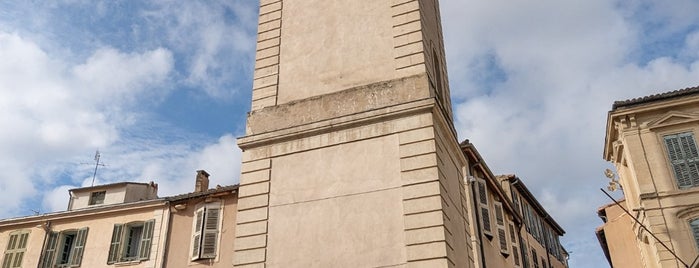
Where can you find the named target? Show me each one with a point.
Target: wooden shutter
(684, 158)
(210, 233)
(485, 210)
(196, 237)
(76, 253)
(146, 240)
(515, 255)
(502, 233)
(115, 246)
(49, 255)
(8, 259)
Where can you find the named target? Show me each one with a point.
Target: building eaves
(83, 212)
(519, 184)
(221, 189)
(81, 189)
(468, 147)
(656, 97)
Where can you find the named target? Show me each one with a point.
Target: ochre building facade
(652, 143)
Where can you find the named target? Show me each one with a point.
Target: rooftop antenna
(97, 164)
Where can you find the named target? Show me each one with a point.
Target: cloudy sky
(161, 88)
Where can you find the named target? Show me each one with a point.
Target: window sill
(127, 263)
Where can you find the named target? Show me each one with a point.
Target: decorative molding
(673, 118)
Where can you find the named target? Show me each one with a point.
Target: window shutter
(499, 218)
(76, 253)
(8, 259)
(684, 158)
(49, 255)
(515, 255)
(695, 230)
(525, 257)
(485, 216)
(196, 237)
(146, 240)
(117, 235)
(210, 233)
(482, 193)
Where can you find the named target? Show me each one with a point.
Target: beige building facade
(111, 225)
(350, 110)
(201, 231)
(652, 143)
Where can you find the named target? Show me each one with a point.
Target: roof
(519, 184)
(218, 189)
(108, 185)
(656, 97)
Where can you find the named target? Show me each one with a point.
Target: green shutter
(76, 253)
(684, 158)
(146, 240)
(9, 251)
(210, 233)
(49, 255)
(115, 245)
(196, 238)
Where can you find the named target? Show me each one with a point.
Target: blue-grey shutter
(49, 255)
(695, 230)
(146, 240)
(684, 158)
(117, 234)
(76, 253)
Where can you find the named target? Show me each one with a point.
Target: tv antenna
(97, 164)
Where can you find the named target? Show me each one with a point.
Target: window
(535, 259)
(14, 252)
(694, 225)
(131, 242)
(684, 158)
(64, 249)
(485, 210)
(205, 231)
(97, 198)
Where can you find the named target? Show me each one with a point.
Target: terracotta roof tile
(656, 97)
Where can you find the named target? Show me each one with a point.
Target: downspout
(522, 251)
(47, 230)
(478, 219)
(167, 234)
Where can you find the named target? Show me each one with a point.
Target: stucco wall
(179, 247)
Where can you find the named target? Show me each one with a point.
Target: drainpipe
(167, 234)
(47, 230)
(478, 219)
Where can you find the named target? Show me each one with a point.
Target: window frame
(694, 230)
(122, 240)
(203, 237)
(97, 200)
(15, 249)
(50, 254)
(672, 163)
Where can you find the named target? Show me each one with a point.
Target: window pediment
(673, 118)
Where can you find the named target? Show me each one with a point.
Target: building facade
(348, 115)
(105, 226)
(512, 227)
(652, 143)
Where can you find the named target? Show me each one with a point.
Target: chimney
(202, 182)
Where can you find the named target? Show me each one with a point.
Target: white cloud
(51, 110)
(560, 66)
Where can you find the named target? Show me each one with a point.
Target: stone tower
(350, 157)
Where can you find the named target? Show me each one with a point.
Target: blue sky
(161, 88)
